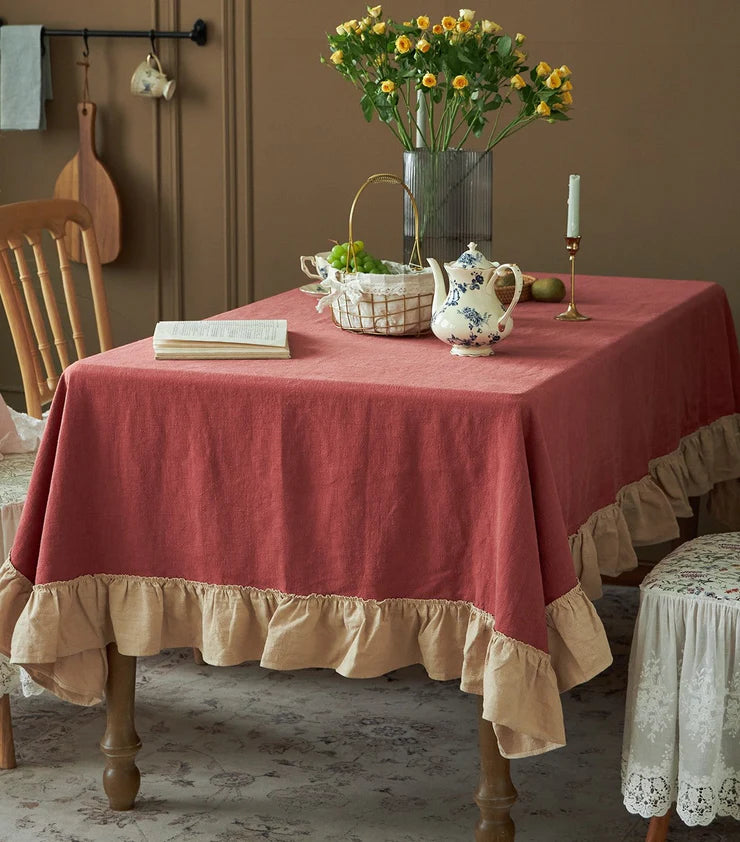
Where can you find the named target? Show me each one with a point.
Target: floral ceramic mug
(149, 80)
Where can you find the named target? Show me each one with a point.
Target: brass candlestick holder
(572, 314)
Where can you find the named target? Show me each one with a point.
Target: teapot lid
(473, 259)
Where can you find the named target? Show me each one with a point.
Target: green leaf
(558, 115)
(503, 48)
(367, 107)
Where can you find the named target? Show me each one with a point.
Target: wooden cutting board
(86, 180)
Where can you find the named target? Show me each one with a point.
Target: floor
(243, 753)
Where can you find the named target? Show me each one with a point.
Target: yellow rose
(520, 56)
(352, 24)
(553, 80)
(520, 39)
(518, 82)
(543, 69)
(564, 70)
(467, 14)
(422, 22)
(437, 29)
(566, 98)
(429, 80)
(337, 57)
(379, 28)
(340, 29)
(375, 12)
(403, 44)
(463, 26)
(387, 86)
(407, 23)
(543, 109)
(460, 82)
(346, 27)
(566, 86)
(448, 22)
(423, 45)
(490, 26)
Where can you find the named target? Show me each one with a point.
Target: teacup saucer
(314, 289)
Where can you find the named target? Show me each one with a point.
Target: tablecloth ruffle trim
(645, 511)
(358, 638)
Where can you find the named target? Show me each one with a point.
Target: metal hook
(151, 41)
(86, 51)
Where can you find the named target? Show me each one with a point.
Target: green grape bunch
(359, 259)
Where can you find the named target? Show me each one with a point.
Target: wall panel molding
(229, 152)
(168, 168)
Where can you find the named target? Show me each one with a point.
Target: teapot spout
(440, 292)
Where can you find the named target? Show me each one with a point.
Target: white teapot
(470, 317)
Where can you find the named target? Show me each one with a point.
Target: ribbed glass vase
(454, 194)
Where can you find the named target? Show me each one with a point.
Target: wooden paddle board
(86, 180)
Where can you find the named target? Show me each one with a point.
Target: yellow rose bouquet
(435, 84)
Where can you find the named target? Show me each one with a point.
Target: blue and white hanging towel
(25, 78)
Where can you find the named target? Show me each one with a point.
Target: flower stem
(405, 139)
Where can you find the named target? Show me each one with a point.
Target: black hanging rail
(198, 34)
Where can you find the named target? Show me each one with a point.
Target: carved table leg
(658, 828)
(120, 742)
(496, 793)
(7, 747)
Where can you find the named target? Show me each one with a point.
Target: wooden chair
(38, 332)
(24, 223)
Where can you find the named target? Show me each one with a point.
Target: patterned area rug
(242, 753)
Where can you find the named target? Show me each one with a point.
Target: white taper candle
(574, 207)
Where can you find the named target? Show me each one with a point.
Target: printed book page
(269, 332)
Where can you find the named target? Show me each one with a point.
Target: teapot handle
(518, 286)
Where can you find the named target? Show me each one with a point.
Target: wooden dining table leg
(7, 746)
(120, 742)
(495, 795)
(658, 828)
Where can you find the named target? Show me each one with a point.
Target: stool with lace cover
(682, 722)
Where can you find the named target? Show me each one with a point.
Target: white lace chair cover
(19, 439)
(682, 723)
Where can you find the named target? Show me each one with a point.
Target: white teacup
(149, 80)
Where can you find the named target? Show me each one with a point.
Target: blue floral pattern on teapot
(470, 317)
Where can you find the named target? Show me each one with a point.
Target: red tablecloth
(375, 501)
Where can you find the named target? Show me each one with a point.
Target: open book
(222, 340)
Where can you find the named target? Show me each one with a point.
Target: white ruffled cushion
(682, 722)
(20, 435)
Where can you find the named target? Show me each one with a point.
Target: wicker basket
(387, 305)
(506, 294)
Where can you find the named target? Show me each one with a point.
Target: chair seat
(706, 567)
(682, 721)
(15, 475)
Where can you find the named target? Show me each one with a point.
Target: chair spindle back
(42, 358)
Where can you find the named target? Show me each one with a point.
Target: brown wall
(654, 138)
(181, 167)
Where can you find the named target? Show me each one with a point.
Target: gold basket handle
(387, 178)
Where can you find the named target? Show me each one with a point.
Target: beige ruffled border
(358, 638)
(645, 511)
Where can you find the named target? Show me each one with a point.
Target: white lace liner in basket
(682, 722)
(397, 304)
